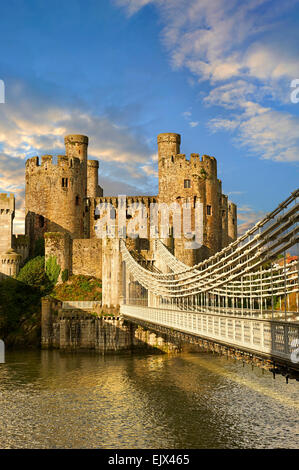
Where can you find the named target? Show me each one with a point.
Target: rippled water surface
(53, 400)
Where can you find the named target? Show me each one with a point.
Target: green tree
(33, 274)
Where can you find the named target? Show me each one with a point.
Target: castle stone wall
(58, 245)
(80, 330)
(87, 257)
(20, 244)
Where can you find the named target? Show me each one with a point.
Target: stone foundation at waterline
(75, 330)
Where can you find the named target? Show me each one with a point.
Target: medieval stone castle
(61, 206)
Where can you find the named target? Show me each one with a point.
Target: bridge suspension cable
(235, 270)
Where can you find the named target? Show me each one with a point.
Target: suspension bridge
(244, 297)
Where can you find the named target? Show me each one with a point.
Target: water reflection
(54, 400)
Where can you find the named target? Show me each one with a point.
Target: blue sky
(122, 71)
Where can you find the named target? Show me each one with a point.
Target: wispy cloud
(247, 218)
(132, 6)
(231, 46)
(37, 126)
(187, 115)
(265, 131)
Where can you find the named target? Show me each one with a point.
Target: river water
(53, 400)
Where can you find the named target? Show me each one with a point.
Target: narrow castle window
(187, 184)
(233, 221)
(209, 210)
(77, 200)
(41, 221)
(64, 182)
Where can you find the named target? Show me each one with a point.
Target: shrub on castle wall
(52, 269)
(65, 275)
(79, 287)
(33, 274)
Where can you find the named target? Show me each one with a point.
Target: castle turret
(10, 263)
(93, 188)
(168, 146)
(76, 146)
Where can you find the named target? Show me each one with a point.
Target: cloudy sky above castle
(122, 71)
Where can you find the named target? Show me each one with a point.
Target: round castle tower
(56, 191)
(93, 178)
(10, 263)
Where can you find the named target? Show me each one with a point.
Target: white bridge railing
(269, 337)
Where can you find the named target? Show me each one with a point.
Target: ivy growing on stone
(52, 269)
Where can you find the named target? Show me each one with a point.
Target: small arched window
(77, 200)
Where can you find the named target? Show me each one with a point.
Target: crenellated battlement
(204, 165)
(52, 161)
(20, 240)
(93, 163)
(32, 163)
(11, 257)
(7, 203)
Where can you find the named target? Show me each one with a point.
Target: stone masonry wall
(87, 257)
(75, 330)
